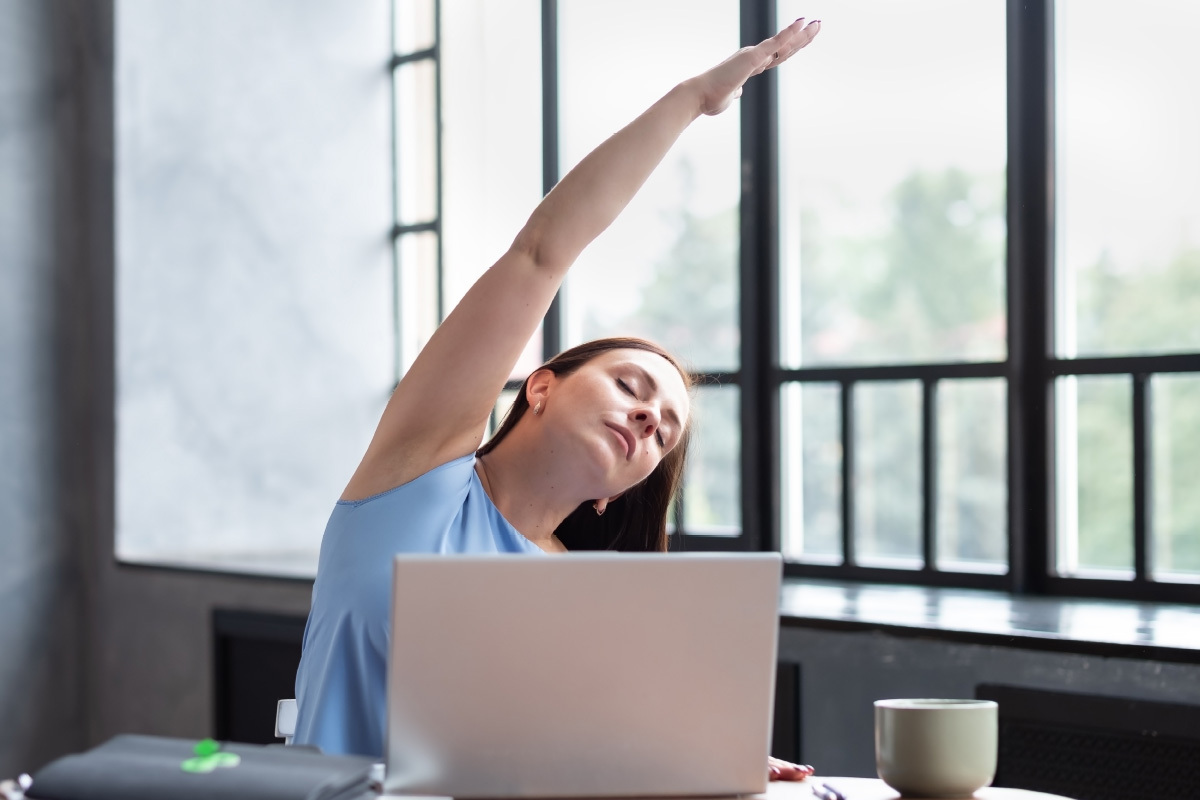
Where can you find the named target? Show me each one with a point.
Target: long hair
(637, 520)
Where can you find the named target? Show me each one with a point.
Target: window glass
(504, 404)
(812, 472)
(413, 21)
(667, 268)
(254, 315)
(1128, 180)
(491, 140)
(1094, 462)
(712, 497)
(416, 142)
(972, 501)
(1176, 463)
(416, 293)
(892, 149)
(887, 474)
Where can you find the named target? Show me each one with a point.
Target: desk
(852, 788)
(872, 789)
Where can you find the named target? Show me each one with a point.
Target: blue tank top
(341, 685)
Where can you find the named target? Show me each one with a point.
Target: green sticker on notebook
(209, 757)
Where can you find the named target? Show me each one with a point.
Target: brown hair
(637, 520)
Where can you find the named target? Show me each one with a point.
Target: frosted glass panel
(255, 328)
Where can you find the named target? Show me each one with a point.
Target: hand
(781, 770)
(722, 84)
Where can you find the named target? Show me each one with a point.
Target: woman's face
(624, 409)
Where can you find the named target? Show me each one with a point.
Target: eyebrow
(653, 384)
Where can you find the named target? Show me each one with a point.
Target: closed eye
(657, 434)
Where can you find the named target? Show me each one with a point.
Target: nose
(646, 419)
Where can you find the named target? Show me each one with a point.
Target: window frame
(405, 350)
(1029, 369)
(1032, 268)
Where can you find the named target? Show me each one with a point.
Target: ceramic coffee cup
(936, 748)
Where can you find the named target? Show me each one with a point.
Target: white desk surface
(873, 789)
(851, 788)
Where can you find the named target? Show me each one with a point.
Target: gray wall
(843, 673)
(88, 648)
(256, 335)
(40, 599)
(283, 115)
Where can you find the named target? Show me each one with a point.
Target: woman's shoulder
(452, 477)
(362, 535)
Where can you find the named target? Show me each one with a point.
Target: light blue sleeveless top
(341, 686)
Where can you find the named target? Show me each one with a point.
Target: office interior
(277, 145)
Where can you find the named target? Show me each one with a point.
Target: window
(491, 110)
(417, 177)
(254, 321)
(939, 287)
(1126, 336)
(857, 261)
(892, 291)
(667, 269)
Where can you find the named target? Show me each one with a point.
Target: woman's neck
(528, 491)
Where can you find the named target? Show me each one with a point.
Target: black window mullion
(969, 580)
(896, 372)
(419, 55)
(758, 264)
(432, 226)
(1030, 283)
(678, 517)
(1143, 476)
(552, 340)
(1117, 365)
(929, 443)
(847, 397)
(694, 542)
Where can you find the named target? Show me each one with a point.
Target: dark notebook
(158, 768)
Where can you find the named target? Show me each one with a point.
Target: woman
(589, 456)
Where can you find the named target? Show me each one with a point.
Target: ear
(603, 502)
(537, 388)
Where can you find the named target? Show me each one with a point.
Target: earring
(600, 508)
(538, 408)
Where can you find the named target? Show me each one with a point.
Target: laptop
(582, 675)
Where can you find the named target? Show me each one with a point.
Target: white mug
(936, 748)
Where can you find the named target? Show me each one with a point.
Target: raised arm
(440, 409)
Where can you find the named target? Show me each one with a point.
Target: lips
(626, 436)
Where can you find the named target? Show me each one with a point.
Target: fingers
(722, 84)
(787, 42)
(779, 48)
(780, 770)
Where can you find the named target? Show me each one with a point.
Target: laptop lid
(589, 674)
